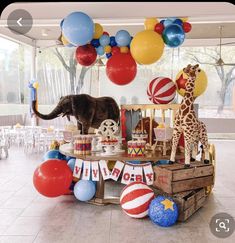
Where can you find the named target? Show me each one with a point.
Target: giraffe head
(191, 71)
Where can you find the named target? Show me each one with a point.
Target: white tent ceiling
(205, 17)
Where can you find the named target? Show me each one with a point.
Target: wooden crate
(175, 178)
(189, 202)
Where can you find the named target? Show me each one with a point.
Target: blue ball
(104, 40)
(173, 35)
(123, 38)
(100, 50)
(78, 28)
(84, 190)
(108, 55)
(167, 22)
(163, 211)
(162, 21)
(71, 164)
(95, 42)
(113, 41)
(53, 154)
(178, 21)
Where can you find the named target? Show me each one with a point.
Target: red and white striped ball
(135, 199)
(161, 90)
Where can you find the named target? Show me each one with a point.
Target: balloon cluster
(110, 45)
(173, 30)
(122, 50)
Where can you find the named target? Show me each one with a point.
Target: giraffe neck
(188, 96)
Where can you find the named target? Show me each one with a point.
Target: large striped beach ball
(135, 199)
(161, 90)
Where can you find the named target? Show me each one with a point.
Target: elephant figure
(88, 111)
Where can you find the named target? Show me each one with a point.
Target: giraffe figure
(186, 121)
(201, 136)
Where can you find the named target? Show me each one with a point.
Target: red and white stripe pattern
(161, 90)
(135, 199)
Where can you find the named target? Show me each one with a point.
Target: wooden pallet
(189, 202)
(175, 178)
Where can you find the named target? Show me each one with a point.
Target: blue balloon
(78, 28)
(53, 154)
(69, 157)
(163, 211)
(84, 190)
(178, 21)
(172, 19)
(95, 42)
(100, 50)
(167, 22)
(104, 40)
(112, 41)
(69, 45)
(173, 35)
(71, 164)
(162, 21)
(123, 38)
(108, 55)
(61, 23)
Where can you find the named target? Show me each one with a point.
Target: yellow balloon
(147, 47)
(200, 83)
(150, 23)
(107, 49)
(185, 19)
(124, 49)
(35, 85)
(98, 31)
(64, 40)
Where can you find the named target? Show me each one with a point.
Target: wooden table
(150, 156)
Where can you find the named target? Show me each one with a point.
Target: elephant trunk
(55, 113)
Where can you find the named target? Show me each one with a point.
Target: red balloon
(187, 26)
(115, 50)
(105, 33)
(159, 27)
(53, 178)
(86, 55)
(121, 68)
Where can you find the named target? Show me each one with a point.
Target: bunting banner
(92, 170)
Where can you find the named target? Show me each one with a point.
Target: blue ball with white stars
(163, 211)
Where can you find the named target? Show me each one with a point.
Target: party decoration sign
(92, 170)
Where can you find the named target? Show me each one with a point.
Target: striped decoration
(135, 199)
(161, 90)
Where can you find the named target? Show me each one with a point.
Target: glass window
(15, 72)
(216, 101)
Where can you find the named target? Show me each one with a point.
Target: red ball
(115, 50)
(105, 33)
(161, 90)
(121, 68)
(187, 26)
(86, 55)
(135, 199)
(159, 28)
(53, 178)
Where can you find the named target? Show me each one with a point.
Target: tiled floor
(26, 216)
